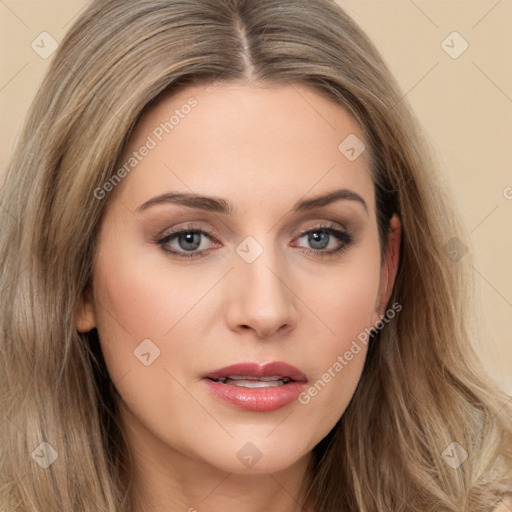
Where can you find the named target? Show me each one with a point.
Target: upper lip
(255, 370)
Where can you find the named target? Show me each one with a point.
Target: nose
(261, 297)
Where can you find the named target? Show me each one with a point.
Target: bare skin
(262, 148)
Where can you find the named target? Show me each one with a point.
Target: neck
(182, 484)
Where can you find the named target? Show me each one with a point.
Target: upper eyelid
(210, 231)
(343, 224)
(168, 233)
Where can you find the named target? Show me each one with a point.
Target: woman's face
(253, 278)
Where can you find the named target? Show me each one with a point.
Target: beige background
(464, 103)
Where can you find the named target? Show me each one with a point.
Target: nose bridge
(259, 268)
(263, 301)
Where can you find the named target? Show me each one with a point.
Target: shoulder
(505, 505)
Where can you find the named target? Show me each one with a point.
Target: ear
(85, 317)
(389, 268)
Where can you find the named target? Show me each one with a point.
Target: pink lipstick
(257, 387)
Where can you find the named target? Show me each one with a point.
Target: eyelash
(331, 229)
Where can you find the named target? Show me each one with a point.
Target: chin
(258, 455)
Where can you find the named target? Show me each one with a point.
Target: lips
(256, 387)
(273, 374)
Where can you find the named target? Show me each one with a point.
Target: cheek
(338, 363)
(137, 302)
(346, 306)
(346, 296)
(145, 317)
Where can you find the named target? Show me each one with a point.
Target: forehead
(256, 144)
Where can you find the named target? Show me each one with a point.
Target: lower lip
(256, 399)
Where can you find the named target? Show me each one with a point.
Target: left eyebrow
(220, 205)
(323, 200)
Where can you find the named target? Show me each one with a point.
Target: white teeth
(237, 377)
(254, 382)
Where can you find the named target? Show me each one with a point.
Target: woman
(190, 170)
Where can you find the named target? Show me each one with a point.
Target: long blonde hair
(422, 387)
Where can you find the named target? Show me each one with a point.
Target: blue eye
(320, 237)
(189, 241)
